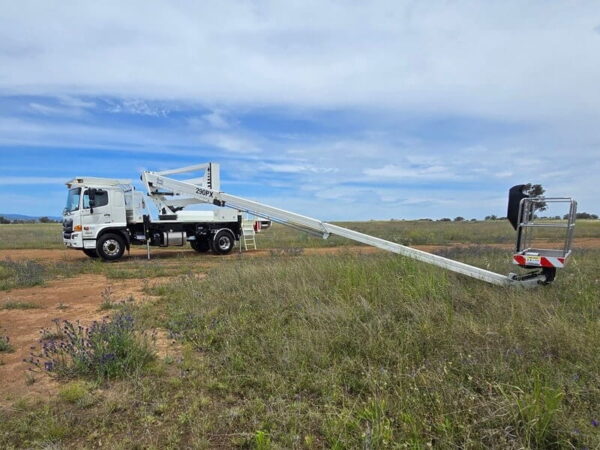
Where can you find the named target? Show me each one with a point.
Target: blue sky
(339, 110)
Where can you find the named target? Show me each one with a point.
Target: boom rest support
(515, 195)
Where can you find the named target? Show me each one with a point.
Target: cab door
(95, 211)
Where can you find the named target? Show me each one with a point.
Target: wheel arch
(215, 236)
(120, 231)
(216, 231)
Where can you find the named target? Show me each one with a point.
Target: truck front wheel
(223, 242)
(110, 247)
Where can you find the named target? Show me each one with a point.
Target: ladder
(248, 235)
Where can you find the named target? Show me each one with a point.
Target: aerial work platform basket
(542, 242)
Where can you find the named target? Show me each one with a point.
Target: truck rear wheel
(91, 252)
(110, 247)
(200, 245)
(223, 242)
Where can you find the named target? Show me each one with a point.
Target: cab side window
(101, 199)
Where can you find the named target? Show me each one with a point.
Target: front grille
(67, 226)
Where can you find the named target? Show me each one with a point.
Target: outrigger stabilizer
(171, 195)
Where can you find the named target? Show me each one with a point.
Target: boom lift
(115, 217)
(158, 182)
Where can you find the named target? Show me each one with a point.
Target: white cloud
(216, 119)
(75, 102)
(137, 107)
(230, 142)
(436, 172)
(296, 168)
(138, 139)
(63, 106)
(390, 65)
(501, 59)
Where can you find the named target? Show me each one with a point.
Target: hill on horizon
(25, 217)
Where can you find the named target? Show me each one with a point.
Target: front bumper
(73, 240)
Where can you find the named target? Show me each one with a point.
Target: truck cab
(93, 205)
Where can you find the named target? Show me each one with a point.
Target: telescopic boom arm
(187, 192)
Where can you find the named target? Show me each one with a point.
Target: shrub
(19, 305)
(20, 274)
(5, 344)
(77, 392)
(107, 302)
(107, 349)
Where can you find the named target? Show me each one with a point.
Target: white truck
(103, 217)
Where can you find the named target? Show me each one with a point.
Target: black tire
(91, 252)
(201, 245)
(110, 247)
(223, 242)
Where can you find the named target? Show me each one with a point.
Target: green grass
(19, 305)
(352, 351)
(27, 273)
(32, 236)
(18, 274)
(362, 351)
(78, 393)
(415, 233)
(344, 351)
(5, 346)
(139, 268)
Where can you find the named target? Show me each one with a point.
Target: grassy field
(346, 351)
(24, 236)
(31, 235)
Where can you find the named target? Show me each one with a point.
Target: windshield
(73, 200)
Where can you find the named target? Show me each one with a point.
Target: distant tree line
(579, 215)
(6, 221)
(584, 215)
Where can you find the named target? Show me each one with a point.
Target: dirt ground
(73, 299)
(79, 298)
